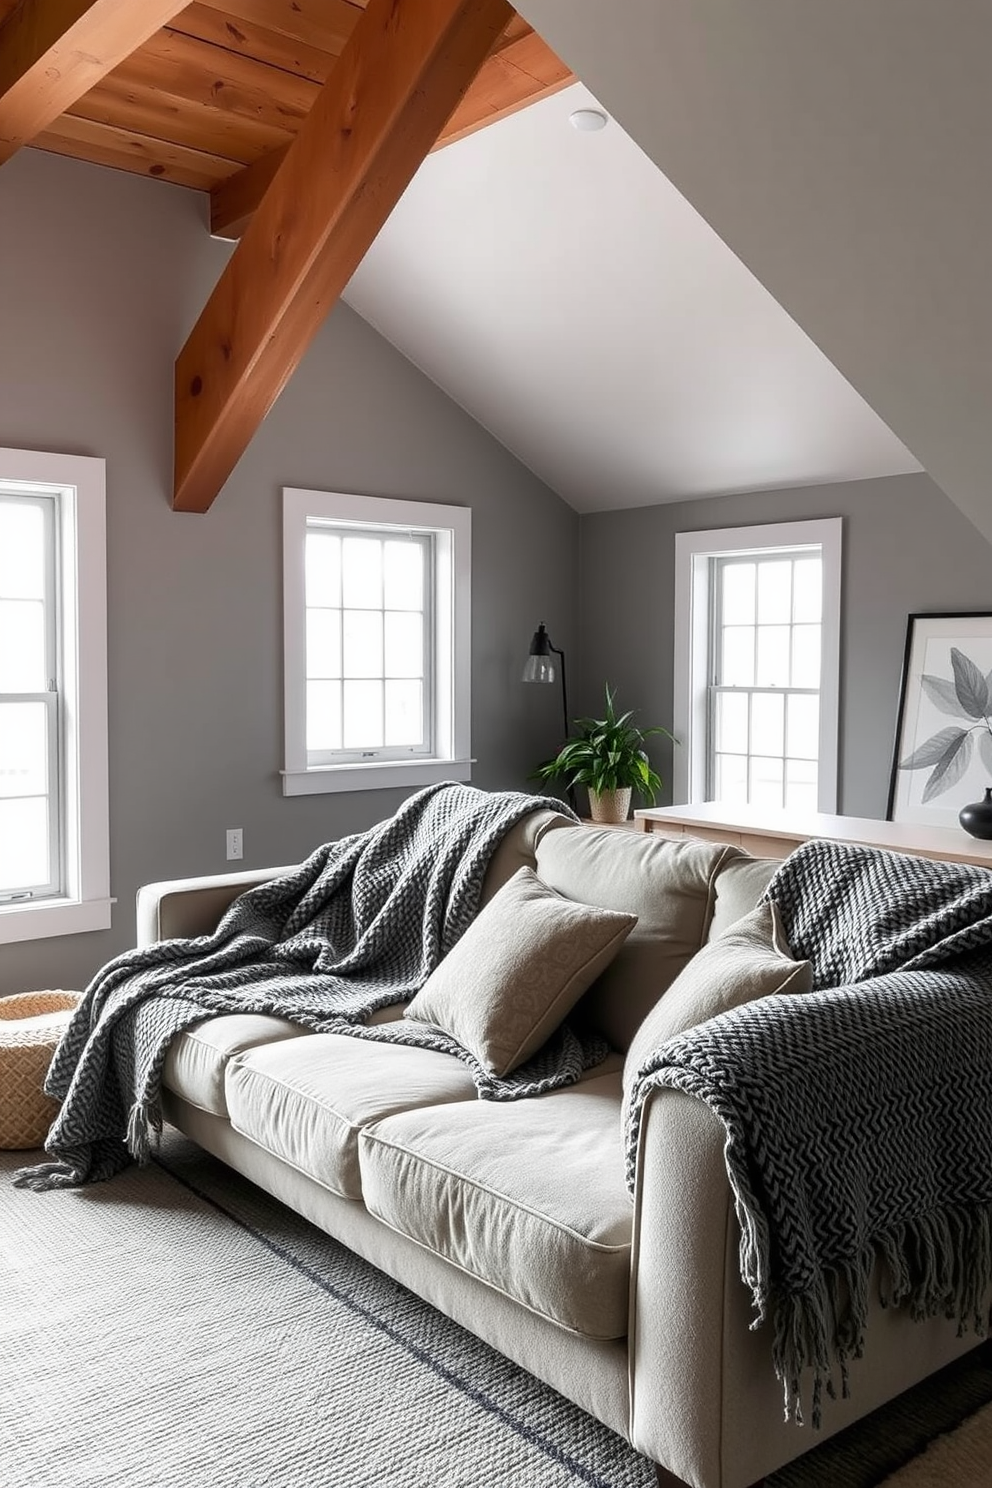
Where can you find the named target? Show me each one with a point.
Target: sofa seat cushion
(305, 1101)
(528, 1196)
(197, 1060)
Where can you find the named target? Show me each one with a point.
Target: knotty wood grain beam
(52, 51)
(520, 69)
(404, 69)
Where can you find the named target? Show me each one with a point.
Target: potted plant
(607, 756)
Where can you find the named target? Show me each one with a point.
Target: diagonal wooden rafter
(404, 69)
(53, 51)
(520, 69)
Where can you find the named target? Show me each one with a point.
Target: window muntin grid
(369, 643)
(31, 860)
(764, 694)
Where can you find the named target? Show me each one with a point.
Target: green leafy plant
(606, 754)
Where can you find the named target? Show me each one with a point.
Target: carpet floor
(176, 1328)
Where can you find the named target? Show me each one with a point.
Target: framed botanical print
(943, 748)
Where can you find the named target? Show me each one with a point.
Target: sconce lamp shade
(540, 664)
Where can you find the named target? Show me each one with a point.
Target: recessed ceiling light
(587, 120)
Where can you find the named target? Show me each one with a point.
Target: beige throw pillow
(526, 958)
(749, 960)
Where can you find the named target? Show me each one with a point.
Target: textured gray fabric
(858, 1118)
(359, 925)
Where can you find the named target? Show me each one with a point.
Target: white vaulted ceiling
(561, 289)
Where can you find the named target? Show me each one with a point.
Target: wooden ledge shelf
(771, 834)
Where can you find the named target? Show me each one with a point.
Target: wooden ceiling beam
(403, 71)
(520, 69)
(52, 51)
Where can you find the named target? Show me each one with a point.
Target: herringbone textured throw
(359, 925)
(858, 1117)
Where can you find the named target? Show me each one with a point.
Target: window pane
(738, 594)
(362, 643)
(775, 592)
(23, 749)
(24, 843)
(803, 733)
(806, 656)
(800, 785)
(323, 643)
(361, 572)
(323, 561)
(404, 713)
(22, 646)
(404, 645)
(403, 576)
(22, 551)
(767, 723)
(808, 598)
(772, 668)
(766, 782)
(363, 715)
(731, 778)
(323, 715)
(737, 661)
(731, 721)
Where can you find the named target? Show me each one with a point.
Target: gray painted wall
(840, 151)
(101, 276)
(907, 549)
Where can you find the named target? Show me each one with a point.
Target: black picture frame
(946, 679)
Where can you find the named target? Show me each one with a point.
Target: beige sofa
(514, 1218)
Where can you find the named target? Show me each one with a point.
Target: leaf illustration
(949, 768)
(933, 751)
(942, 694)
(985, 750)
(970, 685)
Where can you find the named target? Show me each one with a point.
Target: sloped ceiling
(844, 152)
(559, 288)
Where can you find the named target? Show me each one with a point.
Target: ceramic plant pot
(612, 806)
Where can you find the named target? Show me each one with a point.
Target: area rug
(176, 1328)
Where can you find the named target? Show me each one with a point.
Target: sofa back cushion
(518, 847)
(670, 887)
(739, 887)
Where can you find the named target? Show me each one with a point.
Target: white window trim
(453, 638)
(693, 551)
(79, 483)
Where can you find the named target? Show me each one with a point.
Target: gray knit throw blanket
(859, 1117)
(359, 925)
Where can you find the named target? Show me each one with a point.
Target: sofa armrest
(683, 1220)
(704, 1399)
(181, 907)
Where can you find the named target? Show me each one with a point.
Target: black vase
(977, 818)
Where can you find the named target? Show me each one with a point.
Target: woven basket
(31, 1025)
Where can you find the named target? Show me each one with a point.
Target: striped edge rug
(177, 1328)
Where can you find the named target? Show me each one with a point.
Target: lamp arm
(564, 687)
(564, 706)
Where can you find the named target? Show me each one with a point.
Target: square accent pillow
(751, 959)
(521, 965)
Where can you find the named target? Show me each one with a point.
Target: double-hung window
(377, 616)
(757, 640)
(54, 858)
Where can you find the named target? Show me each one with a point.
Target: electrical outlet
(235, 843)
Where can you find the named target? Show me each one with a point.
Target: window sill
(322, 779)
(36, 921)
